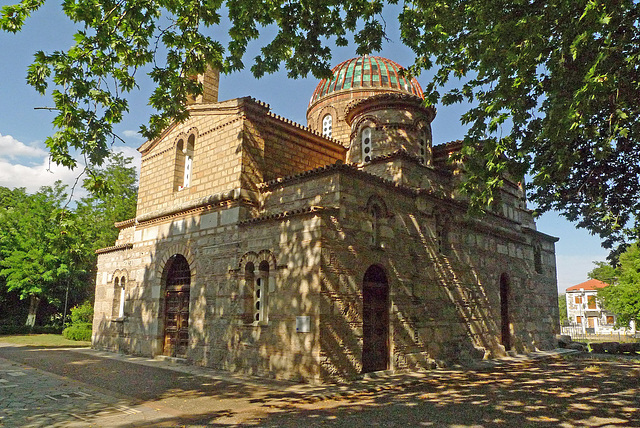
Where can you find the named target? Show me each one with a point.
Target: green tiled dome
(366, 72)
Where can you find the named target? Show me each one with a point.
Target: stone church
(320, 252)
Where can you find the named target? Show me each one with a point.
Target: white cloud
(12, 148)
(28, 166)
(35, 176)
(133, 134)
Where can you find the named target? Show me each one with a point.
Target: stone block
(627, 348)
(611, 347)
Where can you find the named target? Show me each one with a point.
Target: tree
(93, 77)
(552, 85)
(562, 306)
(623, 297)
(112, 201)
(40, 247)
(47, 250)
(604, 272)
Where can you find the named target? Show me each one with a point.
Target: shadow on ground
(569, 392)
(559, 393)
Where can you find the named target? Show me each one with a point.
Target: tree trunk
(34, 302)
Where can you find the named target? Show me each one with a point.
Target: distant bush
(81, 319)
(80, 331)
(82, 313)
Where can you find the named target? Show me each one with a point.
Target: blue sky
(23, 129)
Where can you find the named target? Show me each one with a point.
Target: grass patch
(46, 340)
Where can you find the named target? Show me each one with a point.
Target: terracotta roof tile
(592, 284)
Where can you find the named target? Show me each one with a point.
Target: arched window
(327, 126)
(184, 163)
(424, 152)
(375, 212)
(261, 292)
(249, 292)
(117, 295)
(366, 144)
(188, 161)
(258, 283)
(123, 283)
(119, 289)
(442, 234)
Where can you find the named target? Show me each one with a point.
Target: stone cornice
(390, 100)
(539, 234)
(113, 248)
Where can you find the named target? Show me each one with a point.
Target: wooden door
(375, 321)
(176, 324)
(177, 280)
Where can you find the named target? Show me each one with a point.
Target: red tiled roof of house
(592, 284)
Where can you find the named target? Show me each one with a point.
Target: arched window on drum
(366, 144)
(327, 126)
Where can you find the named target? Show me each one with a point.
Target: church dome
(366, 73)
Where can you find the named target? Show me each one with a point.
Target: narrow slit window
(366, 145)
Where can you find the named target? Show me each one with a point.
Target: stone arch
(364, 121)
(165, 253)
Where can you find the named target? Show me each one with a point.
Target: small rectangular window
(578, 300)
(592, 302)
(579, 319)
(610, 319)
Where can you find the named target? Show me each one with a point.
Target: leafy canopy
(623, 296)
(174, 38)
(554, 92)
(553, 85)
(47, 248)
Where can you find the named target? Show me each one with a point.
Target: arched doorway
(177, 282)
(505, 318)
(375, 320)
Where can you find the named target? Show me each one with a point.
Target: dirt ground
(85, 388)
(569, 392)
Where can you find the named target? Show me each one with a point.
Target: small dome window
(327, 126)
(366, 144)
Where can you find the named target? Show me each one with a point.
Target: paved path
(48, 387)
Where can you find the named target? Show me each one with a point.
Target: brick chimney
(210, 81)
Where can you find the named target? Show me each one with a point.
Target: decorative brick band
(286, 214)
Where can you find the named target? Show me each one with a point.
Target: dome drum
(354, 80)
(386, 123)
